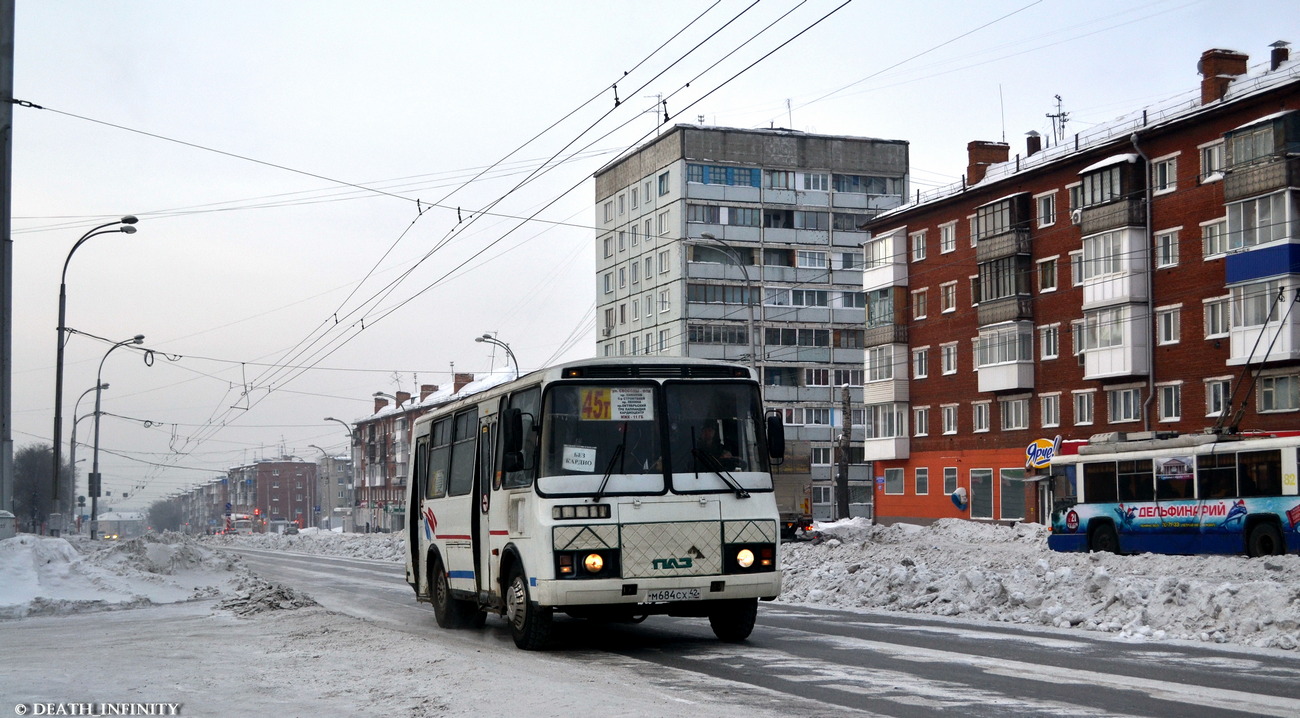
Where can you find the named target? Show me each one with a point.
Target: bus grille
(657, 550)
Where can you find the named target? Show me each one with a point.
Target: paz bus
(1190, 494)
(609, 489)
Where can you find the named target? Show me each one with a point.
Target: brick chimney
(426, 390)
(380, 403)
(1033, 143)
(982, 154)
(1218, 69)
(1281, 53)
(460, 382)
(403, 397)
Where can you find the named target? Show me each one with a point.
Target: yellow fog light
(745, 558)
(593, 563)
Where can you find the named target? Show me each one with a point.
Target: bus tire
(732, 621)
(1103, 539)
(530, 624)
(450, 612)
(1264, 539)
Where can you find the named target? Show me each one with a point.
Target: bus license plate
(673, 594)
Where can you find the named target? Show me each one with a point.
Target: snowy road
(815, 661)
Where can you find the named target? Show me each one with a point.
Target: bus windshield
(610, 439)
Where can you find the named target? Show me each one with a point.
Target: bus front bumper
(630, 592)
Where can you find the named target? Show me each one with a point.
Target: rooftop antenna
(1003, 107)
(659, 98)
(789, 113)
(1058, 121)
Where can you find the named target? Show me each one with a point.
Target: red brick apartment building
(1140, 277)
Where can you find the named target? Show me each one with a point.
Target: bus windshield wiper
(714, 465)
(609, 468)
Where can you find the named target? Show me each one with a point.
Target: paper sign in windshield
(617, 404)
(579, 458)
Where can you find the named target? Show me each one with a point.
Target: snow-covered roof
(1124, 158)
(1262, 120)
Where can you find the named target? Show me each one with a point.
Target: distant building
(1137, 277)
(279, 490)
(703, 228)
(334, 474)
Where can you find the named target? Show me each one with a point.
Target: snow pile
(380, 547)
(997, 573)
(44, 576)
(255, 595)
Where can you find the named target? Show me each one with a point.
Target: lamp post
(94, 471)
(749, 301)
(127, 227)
(324, 481)
(489, 339)
(352, 469)
(72, 444)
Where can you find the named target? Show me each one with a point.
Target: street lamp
(72, 445)
(94, 471)
(489, 339)
(126, 228)
(352, 471)
(749, 301)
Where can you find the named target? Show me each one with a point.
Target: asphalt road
(824, 662)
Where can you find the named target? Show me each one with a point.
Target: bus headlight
(745, 558)
(594, 563)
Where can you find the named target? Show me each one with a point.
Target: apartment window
(1049, 341)
(1167, 325)
(649, 304)
(1217, 320)
(1076, 268)
(1101, 187)
(947, 237)
(609, 211)
(1124, 405)
(636, 271)
(665, 302)
(894, 481)
(812, 220)
(609, 282)
(1015, 413)
(993, 219)
(817, 417)
(880, 363)
(609, 317)
(663, 338)
(1083, 408)
(1253, 304)
(1257, 221)
(948, 297)
(1167, 248)
(948, 358)
(663, 184)
(922, 481)
(1171, 405)
(821, 456)
(778, 179)
(743, 216)
(817, 181)
(647, 191)
(622, 347)
(1216, 396)
(1214, 238)
(705, 213)
(918, 245)
(663, 261)
(920, 363)
(621, 207)
(1279, 393)
(622, 313)
(1047, 275)
(851, 377)
(921, 421)
(980, 416)
(811, 260)
(848, 221)
(853, 300)
(609, 247)
(1251, 144)
(622, 277)
(920, 301)
(663, 223)
(633, 197)
(1103, 255)
(634, 346)
(1049, 405)
(949, 479)
(647, 227)
(950, 419)
(1212, 162)
(1164, 174)
(1046, 209)
(636, 309)
(649, 271)
(649, 343)
(817, 377)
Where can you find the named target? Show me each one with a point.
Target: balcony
(1114, 215)
(999, 246)
(1011, 376)
(1260, 178)
(1007, 309)
(886, 449)
(1273, 342)
(887, 334)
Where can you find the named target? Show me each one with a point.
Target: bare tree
(165, 515)
(33, 493)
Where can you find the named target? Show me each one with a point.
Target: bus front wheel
(1264, 540)
(733, 621)
(530, 624)
(1103, 539)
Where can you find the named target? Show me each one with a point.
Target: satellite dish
(959, 498)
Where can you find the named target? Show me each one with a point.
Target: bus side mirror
(512, 440)
(775, 436)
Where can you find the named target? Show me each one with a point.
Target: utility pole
(842, 467)
(6, 254)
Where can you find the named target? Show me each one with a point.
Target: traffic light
(94, 485)
(257, 512)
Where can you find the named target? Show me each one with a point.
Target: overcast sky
(329, 192)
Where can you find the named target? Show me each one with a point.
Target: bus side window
(1216, 476)
(421, 474)
(1136, 481)
(464, 434)
(439, 458)
(1260, 473)
(1099, 482)
(528, 402)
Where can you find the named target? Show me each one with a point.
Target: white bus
(611, 489)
